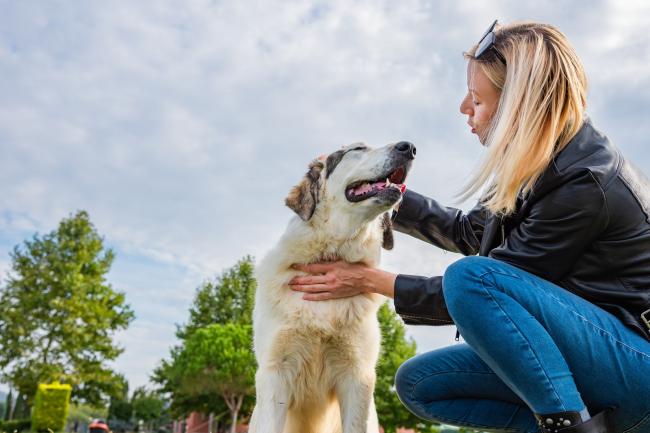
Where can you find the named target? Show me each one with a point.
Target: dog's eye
(359, 148)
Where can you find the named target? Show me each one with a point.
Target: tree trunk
(233, 427)
(234, 402)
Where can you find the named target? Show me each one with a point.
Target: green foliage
(6, 415)
(51, 405)
(120, 409)
(147, 405)
(227, 299)
(219, 360)
(58, 313)
(14, 425)
(395, 349)
(169, 376)
(120, 414)
(21, 408)
(150, 408)
(83, 413)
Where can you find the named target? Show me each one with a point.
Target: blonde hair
(541, 107)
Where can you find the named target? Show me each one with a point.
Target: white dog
(317, 358)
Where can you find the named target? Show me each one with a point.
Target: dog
(316, 359)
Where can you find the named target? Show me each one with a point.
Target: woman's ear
(303, 198)
(387, 229)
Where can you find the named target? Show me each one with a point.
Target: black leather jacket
(585, 226)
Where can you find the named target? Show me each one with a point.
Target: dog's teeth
(387, 182)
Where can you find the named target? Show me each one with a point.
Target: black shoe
(571, 422)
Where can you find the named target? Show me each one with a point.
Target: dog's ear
(303, 198)
(332, 161)
(387, 229)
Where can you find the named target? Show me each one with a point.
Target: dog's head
(353, 186)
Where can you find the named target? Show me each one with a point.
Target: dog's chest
(313, 361)
(331, 316)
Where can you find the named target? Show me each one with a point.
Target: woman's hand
(340, 279)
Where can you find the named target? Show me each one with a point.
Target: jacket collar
(577, 148)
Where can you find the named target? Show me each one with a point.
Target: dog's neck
(316, 241)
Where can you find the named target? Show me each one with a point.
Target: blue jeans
(531, 347)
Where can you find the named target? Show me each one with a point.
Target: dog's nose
(406, 148)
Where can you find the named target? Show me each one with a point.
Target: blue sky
(181, 126)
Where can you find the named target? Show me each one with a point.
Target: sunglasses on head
(486, 44)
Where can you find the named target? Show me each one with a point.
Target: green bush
(13, 425)
(51, 407)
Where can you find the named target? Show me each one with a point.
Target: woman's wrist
(381, 282)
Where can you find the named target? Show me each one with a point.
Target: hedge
(51, 405)
(13, 425)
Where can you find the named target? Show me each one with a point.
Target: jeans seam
(417, 382)
(640, 423)
(482, 278)
(471, 424)
(502, 272)
(604, 331)
(568, 307)
(451, 420)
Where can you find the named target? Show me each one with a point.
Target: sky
(181, 126)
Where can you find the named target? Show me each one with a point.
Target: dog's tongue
(367, 187)
(364, 188)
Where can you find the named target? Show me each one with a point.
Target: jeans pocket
(640, 426)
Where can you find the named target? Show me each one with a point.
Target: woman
(555, 308)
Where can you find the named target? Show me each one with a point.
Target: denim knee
(406, 378)
(460, 278)
(404, 382)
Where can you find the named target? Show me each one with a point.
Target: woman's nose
(465, 106)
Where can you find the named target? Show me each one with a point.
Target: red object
(98, 426)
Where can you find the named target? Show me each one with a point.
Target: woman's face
(481, 101)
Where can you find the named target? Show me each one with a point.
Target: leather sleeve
(559, 227)
(419, 300)
(444, 227)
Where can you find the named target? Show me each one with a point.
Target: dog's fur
(316, 359)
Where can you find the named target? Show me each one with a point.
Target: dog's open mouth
(364, 189)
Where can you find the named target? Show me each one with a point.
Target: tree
(82, 413)
(120, 409)
(395, 349)
(227, 299)
(58, 313)
(149, 407)
(218, 359)
(9, 404)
